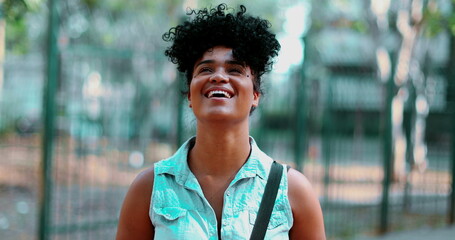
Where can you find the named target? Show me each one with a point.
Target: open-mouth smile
(218, 93)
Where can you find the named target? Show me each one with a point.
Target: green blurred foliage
(118, 6)
(121, 7)
(142, 22)
(91, 3)
(14, 12)
(17, 41)
(360, 26)
(121, 18)
(435, 22)
(113, 23)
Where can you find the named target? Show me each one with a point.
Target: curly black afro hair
(248, 36)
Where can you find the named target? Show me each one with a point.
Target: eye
(236, 70)
(205, 70)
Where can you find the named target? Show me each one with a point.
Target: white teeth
(226, 94)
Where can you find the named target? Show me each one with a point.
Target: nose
(219, 76)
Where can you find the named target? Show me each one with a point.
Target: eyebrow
(231, 62)
(234, 62)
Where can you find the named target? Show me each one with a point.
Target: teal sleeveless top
(179, 210)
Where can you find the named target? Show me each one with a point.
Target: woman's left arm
(306, 210)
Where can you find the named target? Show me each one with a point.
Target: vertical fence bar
(45, 219)
(387, 150)
(327, 138)
(300, 108)
(451, 102)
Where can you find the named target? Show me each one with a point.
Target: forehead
(217, 53)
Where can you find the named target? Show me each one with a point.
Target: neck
(219, 150)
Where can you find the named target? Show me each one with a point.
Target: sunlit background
(361, 100)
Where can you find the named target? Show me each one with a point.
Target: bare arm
(134, 222)
(306, 210)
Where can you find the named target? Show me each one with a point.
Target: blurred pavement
(444, 233)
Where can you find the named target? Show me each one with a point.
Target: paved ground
(446, 233)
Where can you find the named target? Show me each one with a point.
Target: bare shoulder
(298, 183)
(142, 186)
(145, 179)
(134, 221)
(306, 210)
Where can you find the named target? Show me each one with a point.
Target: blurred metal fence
(110, 122)
(20, 147)
(381, 157)
(114, 114)
(117, 111)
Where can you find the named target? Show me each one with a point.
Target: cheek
(252, 86)
(194, 87)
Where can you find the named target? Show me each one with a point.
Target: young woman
(212, 187)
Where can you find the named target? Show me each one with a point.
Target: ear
(256, 97)
(188, 95)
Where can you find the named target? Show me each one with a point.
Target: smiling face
(222, 87)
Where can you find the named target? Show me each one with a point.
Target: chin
(221, 116)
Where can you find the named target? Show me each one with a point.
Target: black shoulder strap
(267, 202)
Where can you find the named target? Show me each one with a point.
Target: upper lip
(230, 92)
